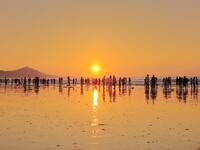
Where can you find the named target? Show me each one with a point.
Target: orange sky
(129, 38)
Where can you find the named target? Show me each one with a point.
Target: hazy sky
(124, 37)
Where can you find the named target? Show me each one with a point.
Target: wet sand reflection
(111, 94)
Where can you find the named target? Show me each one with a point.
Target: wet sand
(90, 118)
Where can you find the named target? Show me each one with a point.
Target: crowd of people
(110, 81)
(184, 81)
(27, 81)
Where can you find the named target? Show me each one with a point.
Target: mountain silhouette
(24, 72)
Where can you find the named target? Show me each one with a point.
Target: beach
(90, 118)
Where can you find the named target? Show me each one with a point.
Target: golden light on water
(95, 98)
(94, 110)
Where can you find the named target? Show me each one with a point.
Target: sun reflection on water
(94, 109)
(95, 97)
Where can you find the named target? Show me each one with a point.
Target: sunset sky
(122, 37)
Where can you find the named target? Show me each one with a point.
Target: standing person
(114, 81)
(82, 80)
(185, 82)
(197, 81)
(153, 81)
(191, 82)
(99, 81)
(104, 80)
(25, 81)
(180, 82)
(124, 81)
(129, 81)
(164, 82)
(110, 81)
(68, 80)
(60, 81)
(177, 81)
(5, 81)
(29, 81)
(146, 81)
(120, 82)
(169, 82)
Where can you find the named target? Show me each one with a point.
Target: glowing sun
(95, 68)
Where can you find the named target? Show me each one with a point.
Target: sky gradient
(123, 37)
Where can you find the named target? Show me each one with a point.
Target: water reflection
(95, 98)
(104, 94)
(120, 91)
(60, 89)
(194, 93)
(182, 94)
(111, 94)
(95, 121)
(81, 89)
(147, 93)
(68, 91)
(154, 93)
(151, 93)
(129, 90)
(124, 90)
(167, 92)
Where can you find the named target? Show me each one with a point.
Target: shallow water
(90, 118)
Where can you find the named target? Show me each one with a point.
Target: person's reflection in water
(29, 86)
(104, 94)
(87, 87)
(68, 91)
(153, 93)
(166, 92)
(81, 89)
(181, 94)
(194, 93)
(129, 90)
(5, 87)
(99, 88)
(120, 91)
(25, 89)
(60, 89)
(114, 95)
(147, 94)
(36, 89)
(110, 92)
(124, 88)
(185, 94)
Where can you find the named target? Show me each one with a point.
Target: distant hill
(24, 72)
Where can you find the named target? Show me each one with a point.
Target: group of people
(27, 81)
(152, 82)
(183, 82)
(194, 81)
(110, 81)
(167, 82)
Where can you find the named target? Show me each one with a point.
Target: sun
(95, 68)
